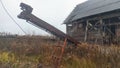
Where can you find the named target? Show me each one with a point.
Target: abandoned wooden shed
(95, 21)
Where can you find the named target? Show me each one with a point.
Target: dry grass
(94, 56)
(28, 51)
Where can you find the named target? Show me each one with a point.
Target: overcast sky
(52, 11)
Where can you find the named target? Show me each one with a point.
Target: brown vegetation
(29, 51)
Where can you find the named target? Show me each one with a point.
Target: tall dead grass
(28, 51)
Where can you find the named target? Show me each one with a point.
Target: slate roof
(92, 7)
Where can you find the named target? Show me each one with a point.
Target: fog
(52, 11)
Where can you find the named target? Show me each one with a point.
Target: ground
(29, 51)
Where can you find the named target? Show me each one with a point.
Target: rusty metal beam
(26, 15)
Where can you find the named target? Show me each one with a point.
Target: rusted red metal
(58, 52)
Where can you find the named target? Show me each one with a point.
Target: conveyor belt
(26, 14)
